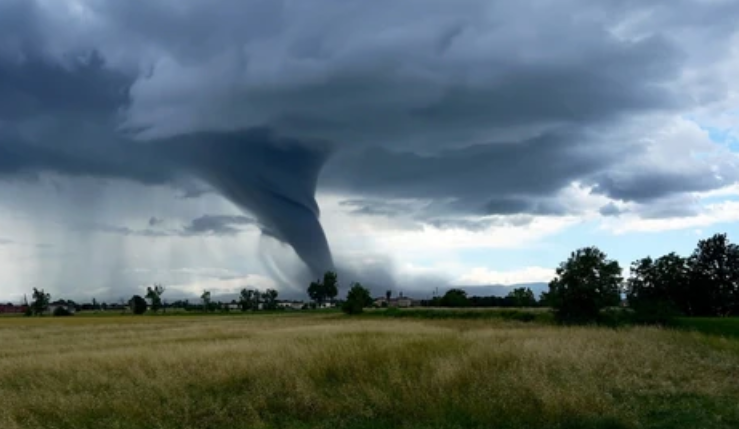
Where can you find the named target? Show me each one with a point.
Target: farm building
(10, 308)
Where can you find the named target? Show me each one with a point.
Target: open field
(327, 370)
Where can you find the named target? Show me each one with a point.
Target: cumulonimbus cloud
(486, 107)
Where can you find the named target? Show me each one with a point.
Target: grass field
(331, 371)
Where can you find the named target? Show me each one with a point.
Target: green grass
(326, 370)
(522, 315)
(723, 326)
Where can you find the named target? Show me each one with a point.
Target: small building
(400, 302)
(10, 308)
(291, 305)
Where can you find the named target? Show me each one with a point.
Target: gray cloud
(476, 107)
(483, 179)
(217, 225)
(153, 221)
(377, 207)
(5, 241)
(610, 209)
(114, 229)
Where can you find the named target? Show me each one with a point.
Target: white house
(291, 305)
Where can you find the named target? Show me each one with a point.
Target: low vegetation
(332, 371)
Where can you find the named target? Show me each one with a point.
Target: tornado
(274, 179)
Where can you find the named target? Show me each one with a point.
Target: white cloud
(483, 276)
(711, 214)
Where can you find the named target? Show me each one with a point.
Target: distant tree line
(706, 283)
(518, 297)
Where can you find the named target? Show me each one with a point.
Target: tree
(246, 299)
(330, 285)
(137, 304)
(454, 298)
(327, 290)
(40, 302)
(206, 300)
(154, 295)
(269, 297)
(357, 299)
(585, 284)
(522, 297)
(95, 304)
(388, 295)
(657, 289)
(315, 291)
(714, 277)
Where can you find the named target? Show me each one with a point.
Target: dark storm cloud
(645, 186)
(478, 107)
(217, 225)
(483, 179)
(377, 207)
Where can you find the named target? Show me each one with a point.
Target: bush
(615, 317)
(61, 312)
(521, 316)
(455, 298)
(138, 304)
(356, 300)
(655, 313)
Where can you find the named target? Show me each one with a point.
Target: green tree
(95, 304)
(454, 298)
(269, 298)
(137, 304)
(207, 305)
(388, 295)
(246, 299)
(326, 290)
(658, 289)
(545, 299)
(522, 297)
(154, 295)
(585, 284)
(40, 302)
(357, 299)
(330, 285)
(714, 277)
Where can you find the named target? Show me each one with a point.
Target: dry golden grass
(333, 371)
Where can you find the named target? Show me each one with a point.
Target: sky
(408, 144)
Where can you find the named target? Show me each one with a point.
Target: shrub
(61, 312)
(356, 300)
(138, 304)
(521, 316)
